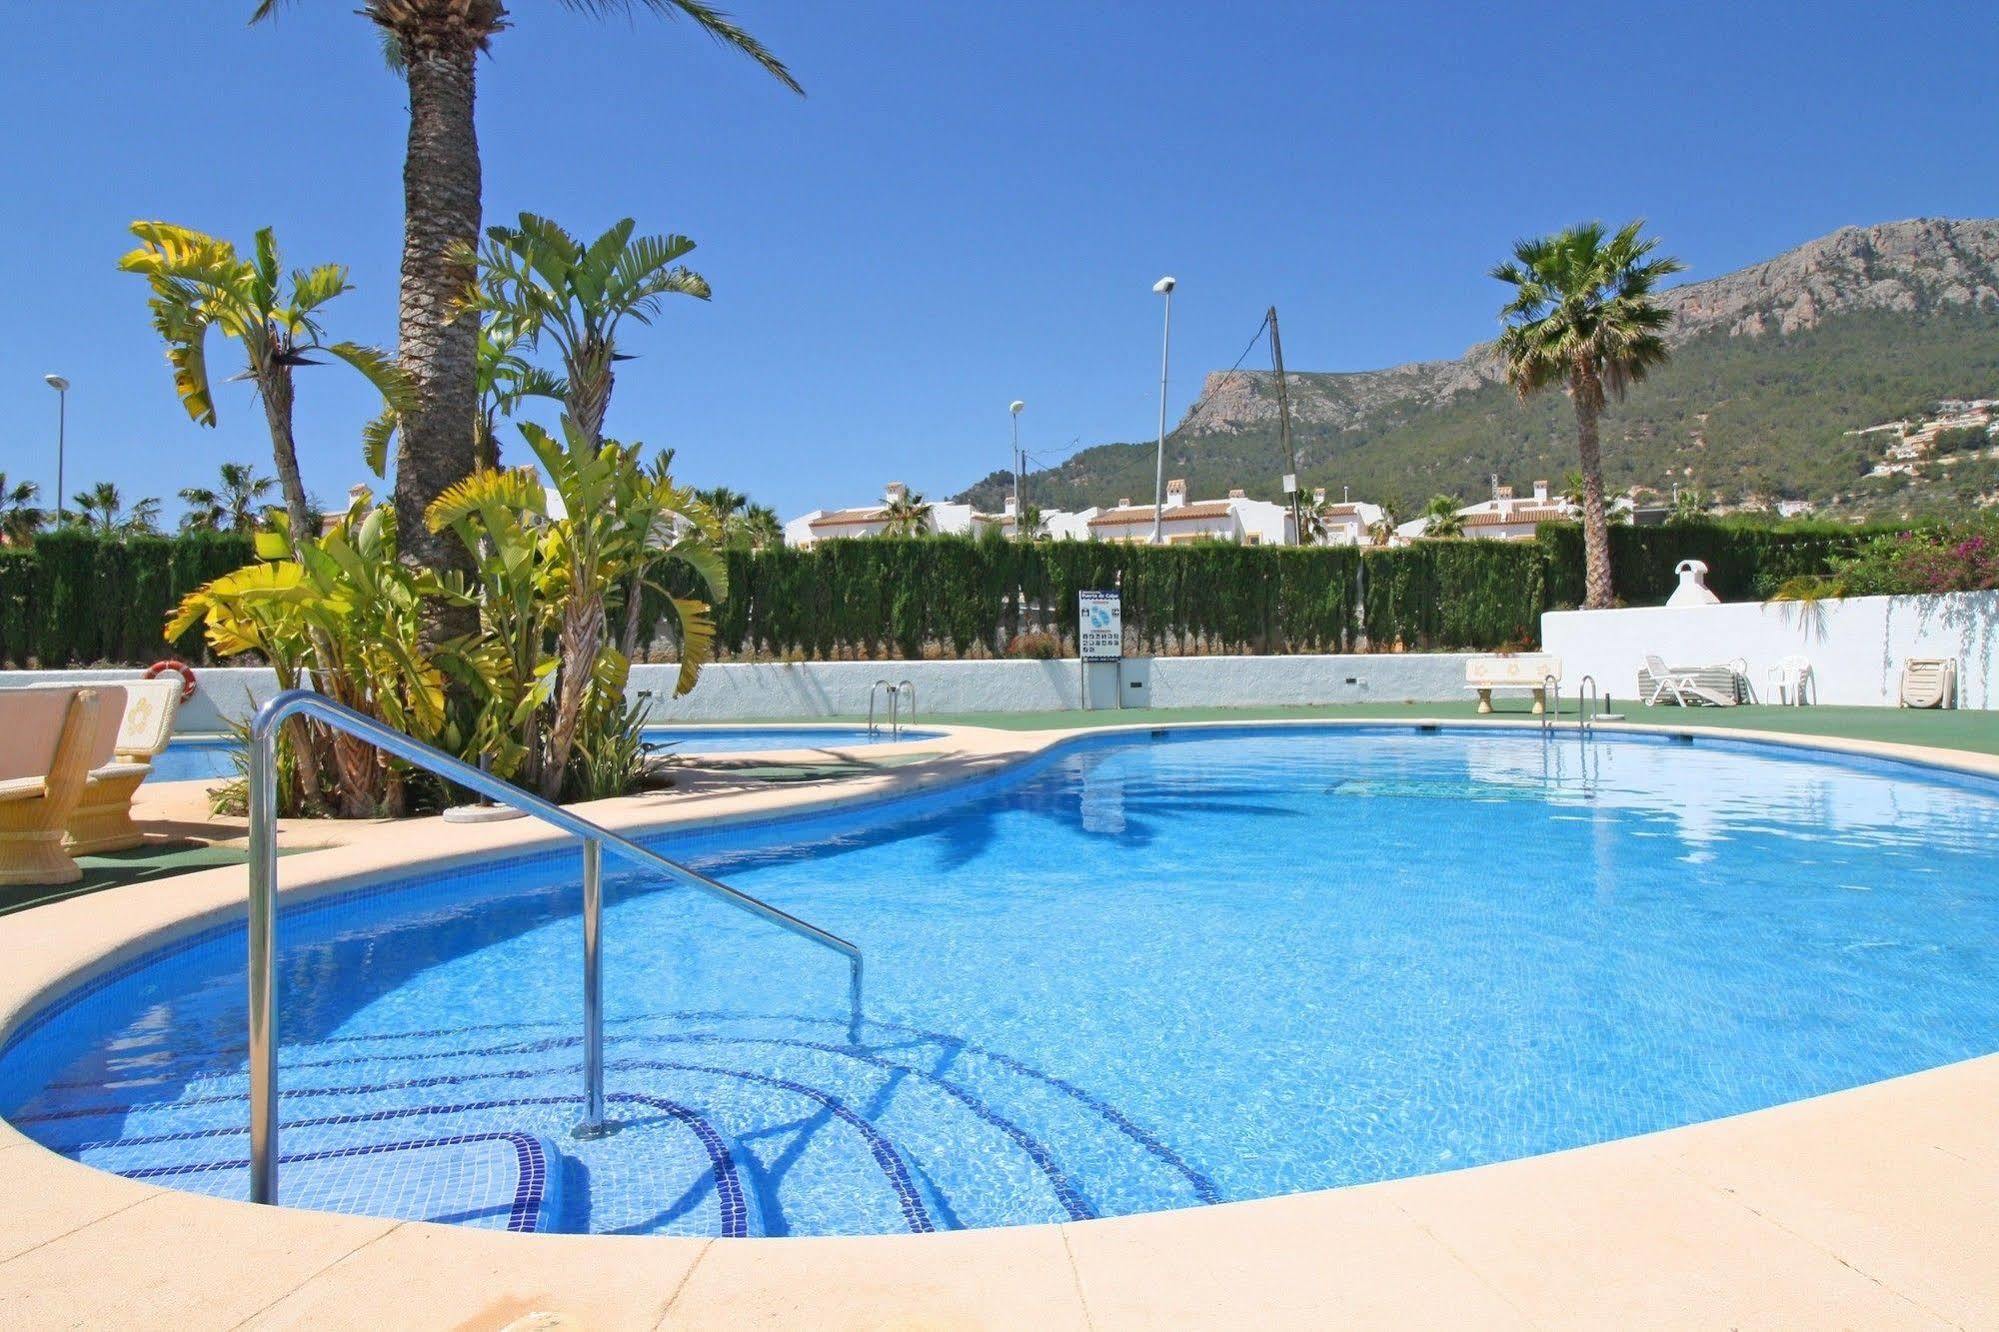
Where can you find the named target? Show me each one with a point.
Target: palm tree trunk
(1596, 527)
(589, 400)
(275, 388)
(581, 635)
(438, 349)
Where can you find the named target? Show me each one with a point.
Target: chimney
(357, 493)
(1124, 502)
(1318, 497)
(1238, 493)
(1176, 492)
(1540, 492)
(1502, 492)
(1012, 505)
(895, 491)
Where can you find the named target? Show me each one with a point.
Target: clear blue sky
(970, 206)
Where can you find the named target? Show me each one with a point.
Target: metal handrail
(1551, 702)
(874, 692)
(263, 907)
(911, 687)
(1587, 704)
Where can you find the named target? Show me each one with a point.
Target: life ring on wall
(160, 668)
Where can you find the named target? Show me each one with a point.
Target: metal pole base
(586, 1131)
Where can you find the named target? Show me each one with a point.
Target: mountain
(1781, 378)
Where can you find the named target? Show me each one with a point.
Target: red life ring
(160, 668)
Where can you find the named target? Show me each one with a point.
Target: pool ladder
(1589, 704)
(263, 908)
(895, 693)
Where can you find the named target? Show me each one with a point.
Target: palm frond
(710, 20)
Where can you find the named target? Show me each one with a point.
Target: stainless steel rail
(1551, 702)
(874, 692)
(910, 686)
(1587, 704)
(264, 913)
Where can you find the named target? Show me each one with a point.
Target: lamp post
(1164, 287)
(61, 386)
(1019, 500)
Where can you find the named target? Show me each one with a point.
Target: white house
(1505, 518)
(1348, 523)
(1059, 524)
(872, 520)
(1238, 518)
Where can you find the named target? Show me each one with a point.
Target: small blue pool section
(729, 739)
(204, 758)
(195, 758)
(1140, 973)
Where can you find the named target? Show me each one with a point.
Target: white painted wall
(1856, 646)
(801, 690)
(840, 688)
(222, 692)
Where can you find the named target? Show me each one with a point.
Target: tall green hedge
(898, 598)
(76, 599)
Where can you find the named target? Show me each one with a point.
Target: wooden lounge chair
(102, 820)
(55, 736)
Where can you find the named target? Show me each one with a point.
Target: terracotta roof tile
(1142, 513)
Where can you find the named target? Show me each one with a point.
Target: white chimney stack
(1540, 492)
(1176, 493)
(896, 491)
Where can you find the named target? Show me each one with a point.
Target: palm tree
(435, 45)
(1382, 530)
(199, 282)
(20, 516)
(102, 508)
(907, 515)
(232, 507)
(1444, 519)
(1689, 506)
(1582, 316)
(759, 528)
(546, 283)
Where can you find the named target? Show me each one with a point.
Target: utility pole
(1284, 422)
(1163, 287)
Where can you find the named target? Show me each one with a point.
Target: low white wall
(1856, 646)
(802, 690)
(840, 688)
(222, 693)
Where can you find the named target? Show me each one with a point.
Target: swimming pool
(200, 758)
(1138, 973)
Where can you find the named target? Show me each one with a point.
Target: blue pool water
(200, 758)
(1141, 974)
(194, 759)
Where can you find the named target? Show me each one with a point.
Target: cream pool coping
(1875, 1207)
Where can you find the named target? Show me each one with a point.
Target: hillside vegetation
(1773, 370)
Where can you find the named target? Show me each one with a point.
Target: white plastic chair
(1789, 679)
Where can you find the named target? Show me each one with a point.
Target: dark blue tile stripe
(528, 1191)
(729, 1195)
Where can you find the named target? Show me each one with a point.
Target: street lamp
(61, 386)
(1019, 501)
(1164, 287)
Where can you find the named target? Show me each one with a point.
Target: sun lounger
(1714, 686)
(55, 736)
(102, 820)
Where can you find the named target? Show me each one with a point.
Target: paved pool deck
(1875, 1207)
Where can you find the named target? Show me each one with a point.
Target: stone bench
(1527, 671)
